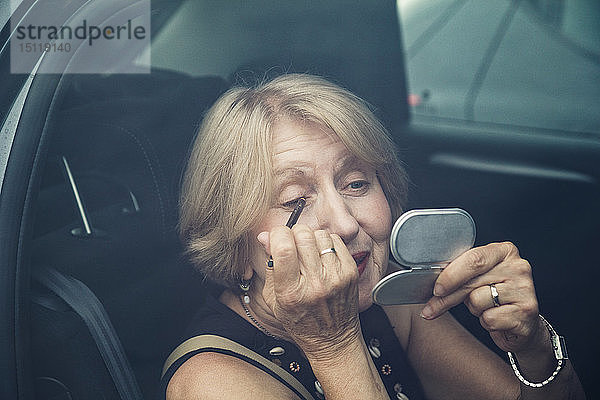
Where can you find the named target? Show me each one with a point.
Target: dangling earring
(245, 286)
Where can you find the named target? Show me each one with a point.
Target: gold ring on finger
(494, 292)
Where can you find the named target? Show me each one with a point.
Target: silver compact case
(423, 242)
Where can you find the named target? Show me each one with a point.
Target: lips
(361, 260)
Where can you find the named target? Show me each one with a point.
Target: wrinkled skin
(319, 296)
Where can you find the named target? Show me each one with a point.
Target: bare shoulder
(220, 376)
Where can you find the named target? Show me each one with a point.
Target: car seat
(106, 217)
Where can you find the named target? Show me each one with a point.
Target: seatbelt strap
(219, 344)
(83, 301)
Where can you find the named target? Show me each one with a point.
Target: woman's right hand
(314, 296)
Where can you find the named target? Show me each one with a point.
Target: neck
(257, 309)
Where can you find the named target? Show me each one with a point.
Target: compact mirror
(423, 242)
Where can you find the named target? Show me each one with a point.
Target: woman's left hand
(513, 322)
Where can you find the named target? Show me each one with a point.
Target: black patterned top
(215, 318)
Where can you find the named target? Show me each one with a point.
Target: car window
(6, 10)
(526, 63)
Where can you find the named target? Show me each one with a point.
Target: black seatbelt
(85, 303)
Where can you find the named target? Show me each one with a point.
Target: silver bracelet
(560, 353)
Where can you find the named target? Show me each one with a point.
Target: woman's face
(343, 196)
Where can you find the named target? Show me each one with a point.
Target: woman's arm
(316, 300)
(451, 362)
(349, 374)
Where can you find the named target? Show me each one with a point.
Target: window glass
(533, 63)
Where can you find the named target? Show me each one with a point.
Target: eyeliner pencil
(296, 213)
(291, 221)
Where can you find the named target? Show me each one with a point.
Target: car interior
(102, 291)
(125, 171)
(104, 218)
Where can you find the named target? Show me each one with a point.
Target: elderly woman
(303, 323)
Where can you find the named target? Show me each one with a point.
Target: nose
(334, 214)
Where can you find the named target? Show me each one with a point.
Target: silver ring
(330, 250)
(495, 298)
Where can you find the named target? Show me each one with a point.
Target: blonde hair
(227, 187)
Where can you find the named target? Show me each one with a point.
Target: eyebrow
(296, 170)
(289, 172)
(286, 176)
(350, 162)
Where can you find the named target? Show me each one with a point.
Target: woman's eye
(358, 185)
(291, 203)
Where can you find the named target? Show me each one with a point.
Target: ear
(248, 272)
(262, 240)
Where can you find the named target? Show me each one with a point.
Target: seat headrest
(134, 130)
